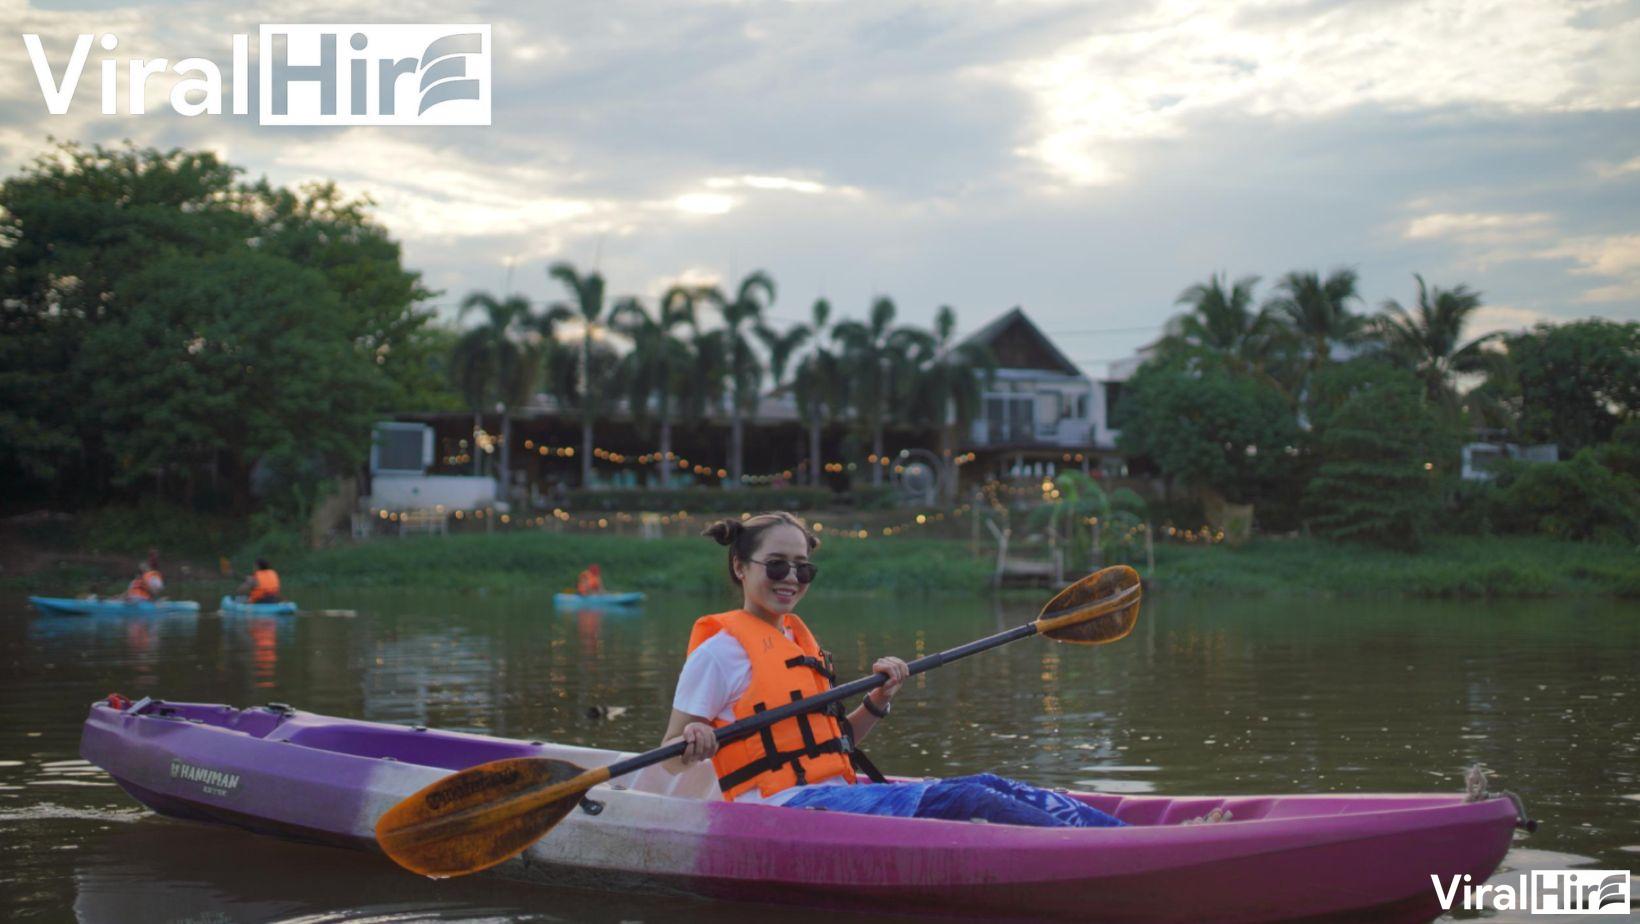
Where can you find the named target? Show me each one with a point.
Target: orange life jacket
(798, 751)
(267, 585)
(589, 582)
(140, 585)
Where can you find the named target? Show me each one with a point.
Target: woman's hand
(897, 672)
(699, 742)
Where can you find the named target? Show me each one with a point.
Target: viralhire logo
(307, 74)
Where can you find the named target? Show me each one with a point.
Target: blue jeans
(984, 795)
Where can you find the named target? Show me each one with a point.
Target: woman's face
(771, 598)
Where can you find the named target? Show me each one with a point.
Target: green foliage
(237, 358)
(1384, 454)
(130, 279)
(1209, 428)
(1081, 499)
(1448, 566)
(1577, 382)
(547, 562)
(1622, 454)
(1576, 499)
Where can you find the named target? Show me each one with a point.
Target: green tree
(880, 362)
(1317, 314)
(1223, 326)
(948, 387)
(1578, 499)
(819, 385)
(230, 362)
(659, 364)
(1577, 382)
(1080, 506)
(594, 368)
(498, 362)
(1385, 456)
(741, 315)
(1429, 339)
(79, 224)
(1209, 428)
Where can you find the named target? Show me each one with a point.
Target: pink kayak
(279, 771)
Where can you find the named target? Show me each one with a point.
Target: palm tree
(1222, 324)
(818, 385)
(587, 305)
(741, 314)
(879, 360)
(1078, 499)
(950, 386)
(659, 362)
(1318, 313)
(1429, 340)
(498, 362)
(702, 391)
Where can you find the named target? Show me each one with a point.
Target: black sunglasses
(778, 568)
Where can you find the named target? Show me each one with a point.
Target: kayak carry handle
(1530, 825)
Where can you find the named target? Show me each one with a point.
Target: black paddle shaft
(735, 731)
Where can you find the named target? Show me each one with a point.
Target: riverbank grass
(1448, 567)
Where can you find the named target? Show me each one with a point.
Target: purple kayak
(279, 771)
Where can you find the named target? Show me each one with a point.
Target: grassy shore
(1449, 567)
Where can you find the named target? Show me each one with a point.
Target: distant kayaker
(590, 581)
(763, 656)
(148, 584)
(263, 584)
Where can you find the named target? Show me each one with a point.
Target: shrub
(1577, 499)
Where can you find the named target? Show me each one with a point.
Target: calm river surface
(1207, 696)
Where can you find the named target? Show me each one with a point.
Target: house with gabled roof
(1041, 410)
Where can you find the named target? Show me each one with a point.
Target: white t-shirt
(713, 679)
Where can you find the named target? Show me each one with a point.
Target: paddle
(485, 815)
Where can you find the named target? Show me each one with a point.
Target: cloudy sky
(1086, 161)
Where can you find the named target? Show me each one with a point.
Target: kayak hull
(72, 606)
(597, 601)
(314, 778)
(237, 607)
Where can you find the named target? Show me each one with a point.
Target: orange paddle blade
(482, 816)
(1101, 608)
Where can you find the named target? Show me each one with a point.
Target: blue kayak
(73, 606)
(237, 606)
(593, 601)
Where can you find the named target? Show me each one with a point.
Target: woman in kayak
(590, 582)
(263, 584)
(148, 584)
(762, 656)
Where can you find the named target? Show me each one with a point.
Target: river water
(1206, 697)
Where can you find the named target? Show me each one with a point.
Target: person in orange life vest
(763, 655)
(739, 660)
(589, 582)
(263, 584)
(148, 584)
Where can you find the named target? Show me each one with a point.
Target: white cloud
(1147, 75)
(1489, 319)
(1609, 171)
(705, 203)
(1481, 228)
(776, 183)
(1614, 256)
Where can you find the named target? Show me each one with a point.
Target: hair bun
(724, 532)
